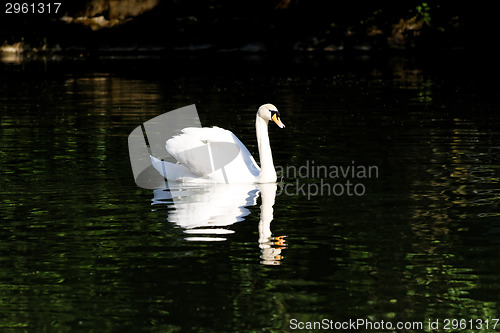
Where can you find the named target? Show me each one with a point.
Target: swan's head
(270, 112)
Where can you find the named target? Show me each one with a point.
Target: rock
(98, 14)
(15, 48)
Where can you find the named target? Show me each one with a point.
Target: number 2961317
(32, 7)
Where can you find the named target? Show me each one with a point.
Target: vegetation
(299, 25)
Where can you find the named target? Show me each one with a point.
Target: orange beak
(277, 120)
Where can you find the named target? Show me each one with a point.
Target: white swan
(216, 155)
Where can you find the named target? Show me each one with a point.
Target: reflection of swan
(203, 154)
(270, 255)
(205, 210)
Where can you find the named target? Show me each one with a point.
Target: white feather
(197, 162)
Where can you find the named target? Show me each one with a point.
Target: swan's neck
(267, 172)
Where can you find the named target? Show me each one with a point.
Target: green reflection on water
(83, 250)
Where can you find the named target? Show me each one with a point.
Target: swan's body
(216, 155)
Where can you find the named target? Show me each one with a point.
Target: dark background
(280, 25)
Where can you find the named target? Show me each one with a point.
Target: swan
(216, 155)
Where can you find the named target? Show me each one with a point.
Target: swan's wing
(191, 152)
(190, 149)
(217, 134)
(212, 134)
(171, 171)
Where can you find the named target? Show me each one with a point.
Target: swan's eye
(273, 112)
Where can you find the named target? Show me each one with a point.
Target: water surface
(84, 249)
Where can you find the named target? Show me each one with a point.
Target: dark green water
(83, 249)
